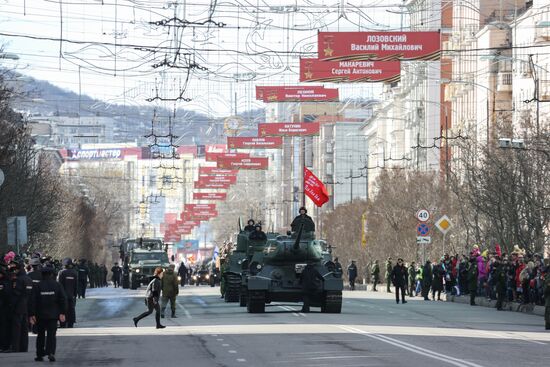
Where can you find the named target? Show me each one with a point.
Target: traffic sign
(423, 215)
(422, 229)
(443, 224)
(423, 240)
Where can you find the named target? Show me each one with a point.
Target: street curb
(507, 306)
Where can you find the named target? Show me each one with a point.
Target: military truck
(275, 275)
(142, 256)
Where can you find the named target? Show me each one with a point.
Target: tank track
(232, 287)
(332, 302)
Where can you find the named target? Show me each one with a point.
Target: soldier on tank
(250, 226)
(257, 234)
(303, 219)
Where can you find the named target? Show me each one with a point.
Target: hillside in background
(131, 123)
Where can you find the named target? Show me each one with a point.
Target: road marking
(294, 312)
(413, 348)
(187, 314)
(241, 360)
(232, 351)
(225, 345)
(220, 339)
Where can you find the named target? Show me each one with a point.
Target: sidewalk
(480, 301)
(507, 306)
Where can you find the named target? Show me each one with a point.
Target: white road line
(241, 360)
(187, 314)
(220, 339)
(232, 351)
(225, 345)
(413, 348)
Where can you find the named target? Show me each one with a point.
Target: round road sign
(423, 215)
(422, 229)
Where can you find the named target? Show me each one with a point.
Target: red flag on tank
(314, 188)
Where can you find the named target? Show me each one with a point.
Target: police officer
(48, 305)
(389, 269)
(116, 275)
(4, 309)
(82, 278)
(20, 296)
(35, 274)
(472, 281)
(500, 278)
(68, 278)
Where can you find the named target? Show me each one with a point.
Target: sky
(206, 56)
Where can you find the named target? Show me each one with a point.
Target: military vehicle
(236, 266)
(142, 256)
(274, 275)
(201, 276)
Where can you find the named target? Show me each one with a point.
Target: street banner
(357, 71)
(209, 195)
(270, 142)
(213, 157)
(288, 129)
(198, 207)
(211, 185)
(188, 245)
(270, 94)
(245, 163)
(218, 179)
(334, 46)
(215, 171)
(314, 188)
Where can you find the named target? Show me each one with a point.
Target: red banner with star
(315, 70)
(314, 188)
(334, 46)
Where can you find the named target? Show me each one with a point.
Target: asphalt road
(371, 331)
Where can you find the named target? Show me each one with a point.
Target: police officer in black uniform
(68, 278)
(48, 305)
(21, 292)
(4, 309)
(35, 274)
(117, 271)
(82, 279)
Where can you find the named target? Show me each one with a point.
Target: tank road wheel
(332, 302)
(232, 288)
(256, 302)
(243, 297)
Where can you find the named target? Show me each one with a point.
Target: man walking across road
(389, 268)
(170, 290)
(48, 305)
(182, 273)
(399, 277)
(152, 295)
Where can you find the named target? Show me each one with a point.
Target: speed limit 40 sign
(423, 215)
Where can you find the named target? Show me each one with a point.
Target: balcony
(504, 81)
(542, 31)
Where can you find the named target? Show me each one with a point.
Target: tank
(235, 267)
(275, 274)
(141, 257)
